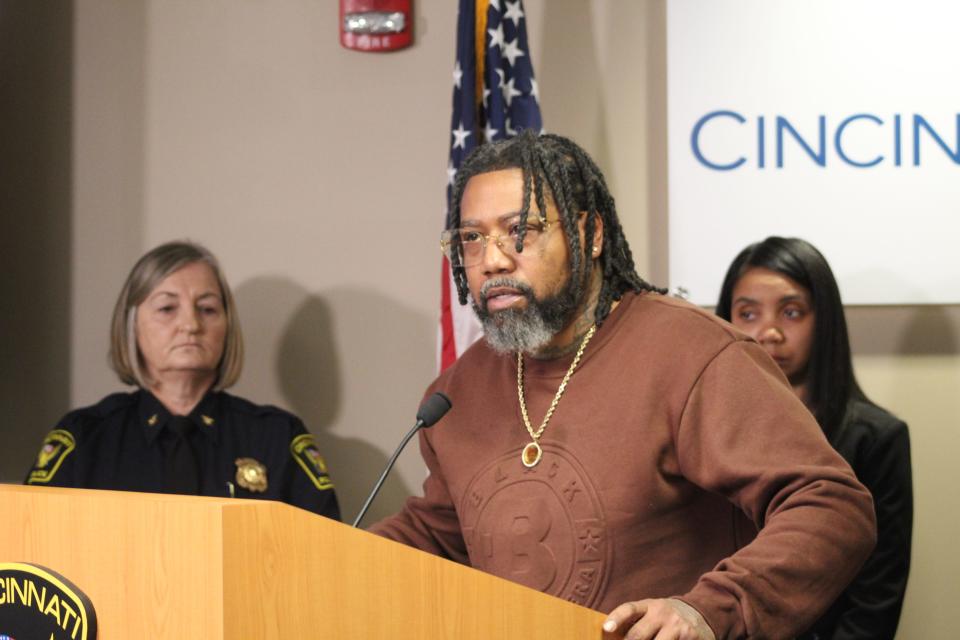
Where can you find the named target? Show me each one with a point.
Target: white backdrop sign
(834, 121)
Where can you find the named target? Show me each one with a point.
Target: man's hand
(662, 619)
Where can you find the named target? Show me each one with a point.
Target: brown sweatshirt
(676, 439)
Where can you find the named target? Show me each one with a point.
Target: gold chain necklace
(532, 452)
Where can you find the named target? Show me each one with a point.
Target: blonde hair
(147, 273)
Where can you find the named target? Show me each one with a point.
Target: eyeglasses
(471, 245)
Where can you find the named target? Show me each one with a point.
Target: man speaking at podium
(613, 446)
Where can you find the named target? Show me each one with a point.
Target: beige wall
(318, 174)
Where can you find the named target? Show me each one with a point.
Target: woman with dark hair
(782, 293)
(175, 335)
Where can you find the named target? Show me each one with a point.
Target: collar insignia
(207, 420)
(152, 420)
(251, 475)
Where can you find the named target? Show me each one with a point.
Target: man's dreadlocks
(575, 184)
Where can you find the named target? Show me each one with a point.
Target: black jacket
(877, 446)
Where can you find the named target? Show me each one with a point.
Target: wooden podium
(158, 566)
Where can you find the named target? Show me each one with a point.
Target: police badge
(251, 475)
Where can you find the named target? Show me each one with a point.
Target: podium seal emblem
(40, 603)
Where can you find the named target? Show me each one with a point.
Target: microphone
(432, 409)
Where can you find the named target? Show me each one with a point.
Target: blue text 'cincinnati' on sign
(891, 140)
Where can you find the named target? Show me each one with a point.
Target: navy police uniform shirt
(243, 450)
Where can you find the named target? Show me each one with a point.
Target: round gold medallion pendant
(531, 454)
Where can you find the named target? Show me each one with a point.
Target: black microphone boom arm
(432, 409)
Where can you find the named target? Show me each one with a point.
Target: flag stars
(511, 51)
(535, 89)
(495, 4)
(457, 75)
(509, 91)
(489, 133)
(514, 12)
(460, 137)
(451, 172)
(496, 36)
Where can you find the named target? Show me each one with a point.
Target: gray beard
(513, 330)
(528, 329)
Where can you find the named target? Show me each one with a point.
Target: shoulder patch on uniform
(305, 452)
(56, 446)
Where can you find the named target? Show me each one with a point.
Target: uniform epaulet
(114, 402)
(242, 405)
(100, 411)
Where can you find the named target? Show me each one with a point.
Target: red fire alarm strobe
(376, 25)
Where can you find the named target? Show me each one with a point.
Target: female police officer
(176, 336)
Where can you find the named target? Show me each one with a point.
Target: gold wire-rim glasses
(506, 242)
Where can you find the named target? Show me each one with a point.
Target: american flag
(494, 96)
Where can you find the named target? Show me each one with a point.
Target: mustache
(504, 283)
